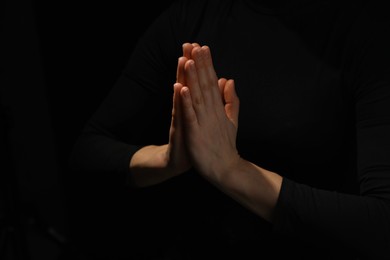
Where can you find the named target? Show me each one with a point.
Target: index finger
(180, 77)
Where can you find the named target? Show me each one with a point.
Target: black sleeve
(137, 110)
(359, 222)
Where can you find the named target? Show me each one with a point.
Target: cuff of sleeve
(284, 213)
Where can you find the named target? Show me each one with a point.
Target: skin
(153, 164)
(203, 135)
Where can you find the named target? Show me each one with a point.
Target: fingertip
(195, 50)
(221, 83)
(205, 48)
(186, 48)
(231, 83)
(189, 64)
(180, 59)
(230, 90)
(185, 44)
(179, 62)
(177, 87)
(233, 86)
(185, 92)
(222, 80)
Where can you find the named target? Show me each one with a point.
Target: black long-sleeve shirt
(313, 78)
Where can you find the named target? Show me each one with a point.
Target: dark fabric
(313, 82)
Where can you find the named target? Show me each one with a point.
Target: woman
(307, 172)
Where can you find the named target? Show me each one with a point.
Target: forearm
(149, 166)
(252, 186)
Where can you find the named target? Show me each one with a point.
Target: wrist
(149, 166)
(221, 172)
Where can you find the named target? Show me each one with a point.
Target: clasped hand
(204, 116)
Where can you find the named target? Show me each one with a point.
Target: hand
(209, 111)
(177, 157)
(154, 164)
(209, 120)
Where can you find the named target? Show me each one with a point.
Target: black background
(59, 59)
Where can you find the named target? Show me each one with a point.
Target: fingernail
(186, 92)
(191, 64)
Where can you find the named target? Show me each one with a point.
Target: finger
(190, 119)
(232, 102)
(221, 86)
(176, 110)
(187, 48)
(193, 84)
(180, 78)
(220, 110)
(208, 80)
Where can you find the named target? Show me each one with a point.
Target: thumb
(232, 102)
